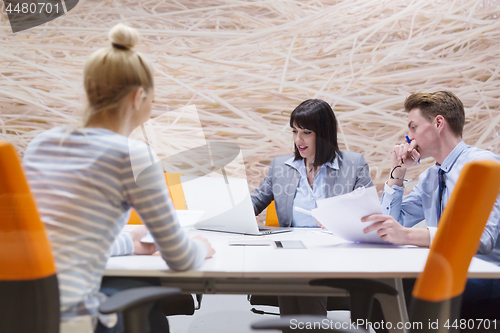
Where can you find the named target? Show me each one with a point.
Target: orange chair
(437, 292)
(29, 293)
(176, 194)
(441, 284)
(271, 216)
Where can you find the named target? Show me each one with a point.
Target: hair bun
(123, 37)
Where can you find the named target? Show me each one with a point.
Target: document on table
(342, 214)
(185, 217)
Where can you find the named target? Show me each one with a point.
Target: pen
(409, 141)
(407, 138)
(303, 211)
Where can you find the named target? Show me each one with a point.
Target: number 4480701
(471, 324)
(32, 8)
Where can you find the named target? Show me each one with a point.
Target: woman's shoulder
(54, 134)
(76, 140)
(350, 156)
(282, 159)
(68, 131)
(55, 131)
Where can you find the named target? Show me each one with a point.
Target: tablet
(289, 244)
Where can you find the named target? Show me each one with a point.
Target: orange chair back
(271, 216)
(176, 194)
(29, 291)
(175, 188)
(459, 231)
(25, 252)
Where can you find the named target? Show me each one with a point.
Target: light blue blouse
(306, 197)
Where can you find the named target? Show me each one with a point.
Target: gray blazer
(281, 181)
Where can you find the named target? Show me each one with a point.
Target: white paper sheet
(342, 214)
(186, 218)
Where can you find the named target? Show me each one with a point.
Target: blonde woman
(84, 185)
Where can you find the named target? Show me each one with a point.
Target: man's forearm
(418, 237)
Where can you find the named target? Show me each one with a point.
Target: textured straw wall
(247, 64)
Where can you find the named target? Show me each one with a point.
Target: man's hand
(406, 153)
(389, 230)
(211, 250)
(139, 247)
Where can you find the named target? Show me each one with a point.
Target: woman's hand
(139, 247)
(211, 250)
(259, 223)
(320, 225)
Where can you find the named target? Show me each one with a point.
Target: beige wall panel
(247, 64)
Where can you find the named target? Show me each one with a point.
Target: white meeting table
(265, 270)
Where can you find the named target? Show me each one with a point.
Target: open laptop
(227, 205)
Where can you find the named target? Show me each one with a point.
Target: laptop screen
(227, 206)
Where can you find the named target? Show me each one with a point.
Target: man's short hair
(442, 103)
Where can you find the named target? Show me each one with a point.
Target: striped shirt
(84, 186)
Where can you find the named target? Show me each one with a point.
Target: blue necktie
(442, 186)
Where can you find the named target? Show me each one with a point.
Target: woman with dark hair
(317, 170)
